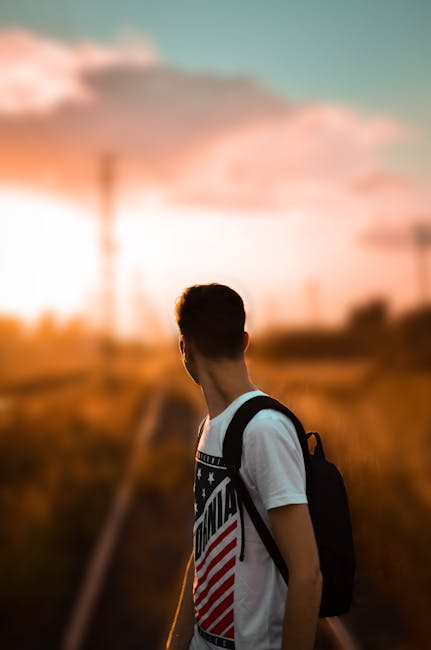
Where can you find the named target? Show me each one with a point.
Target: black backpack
(327, 502)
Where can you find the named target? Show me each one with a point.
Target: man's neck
(221, 386)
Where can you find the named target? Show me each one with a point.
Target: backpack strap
(232, 451)
(232, 443)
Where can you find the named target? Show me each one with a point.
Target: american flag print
(215, 546)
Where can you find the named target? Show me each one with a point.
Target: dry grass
(61, 454)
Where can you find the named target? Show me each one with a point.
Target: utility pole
(418, 235)
(312, 296)
(107, 279)
(107, 245)
(421, 236)
(138, 306)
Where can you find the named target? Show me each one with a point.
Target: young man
(226, 601)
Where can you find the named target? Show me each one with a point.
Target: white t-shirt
(240, 605)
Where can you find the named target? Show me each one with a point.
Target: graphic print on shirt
(215, 546)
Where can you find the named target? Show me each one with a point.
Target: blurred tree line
(400, 343)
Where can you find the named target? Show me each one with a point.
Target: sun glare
(50, 259)
(47, 253)
(50, 255)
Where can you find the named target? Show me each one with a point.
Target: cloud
(38, 74)
(152, 116)
(306, 154)
(196, 138)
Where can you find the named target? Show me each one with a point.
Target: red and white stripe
(214, 583)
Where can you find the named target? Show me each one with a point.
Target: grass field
(62, 453)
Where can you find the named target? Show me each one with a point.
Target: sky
(273, 133)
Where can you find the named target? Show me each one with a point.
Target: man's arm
(181, 632)
(294, 534)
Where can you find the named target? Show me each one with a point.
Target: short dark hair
(212, 317)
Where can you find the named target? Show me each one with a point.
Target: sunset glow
(217, 178)
(49, 253)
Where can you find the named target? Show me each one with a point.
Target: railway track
(100, 561)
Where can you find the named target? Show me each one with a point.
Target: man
(228, 601)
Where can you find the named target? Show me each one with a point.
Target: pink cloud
(302, 157)
(37, 73)
(196, 138)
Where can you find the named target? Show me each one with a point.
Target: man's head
(211, 319)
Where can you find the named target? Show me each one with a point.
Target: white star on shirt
(211, 478)
(203, 493)
(199, 473)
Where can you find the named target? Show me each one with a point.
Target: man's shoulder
(270, 421)
(273, 458)
(271, 417)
